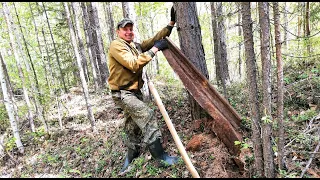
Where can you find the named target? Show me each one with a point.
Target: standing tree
(15, 49)
(38, 100)
(76, 13)
(266, 86)
(90, 45)
(191, 45)
(277, 33)
(219, 47)
(10, 109)
(55, 50)
(82, 77)
(101, 57)
(251, 72)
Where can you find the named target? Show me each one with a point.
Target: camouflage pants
(140, 123)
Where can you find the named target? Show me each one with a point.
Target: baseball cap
(124, 22)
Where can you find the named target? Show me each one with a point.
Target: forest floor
(75, 151)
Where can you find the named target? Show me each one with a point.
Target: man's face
(126, 33)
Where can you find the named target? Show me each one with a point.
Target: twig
(310, 160)
(306, 130)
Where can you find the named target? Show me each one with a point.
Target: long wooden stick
(173, 132)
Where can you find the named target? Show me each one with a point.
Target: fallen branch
(310, 160)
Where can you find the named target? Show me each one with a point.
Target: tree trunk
(110, 21)
(35, 87)
(266, 86)
(102, 62)
(279, 84)
(12, 35)
(90, 45)
(251, 72)
(285, 19)
(76, 12)
(39, 46)
(239, 34)
(55, 50)
(9, 107)
(307, 27)
(191, 45)
(83, 81)
(222, 34)
(219, 49)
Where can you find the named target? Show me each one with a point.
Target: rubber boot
(158, 152)
(131, 154)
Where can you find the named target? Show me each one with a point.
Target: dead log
(226, 121)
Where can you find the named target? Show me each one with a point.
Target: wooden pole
(173, 132)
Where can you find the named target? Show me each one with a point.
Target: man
(126, 60)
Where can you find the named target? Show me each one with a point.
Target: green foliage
(10, 144)
(308, 115)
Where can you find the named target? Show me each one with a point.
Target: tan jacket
(127, 60)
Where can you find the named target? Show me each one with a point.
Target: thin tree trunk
(10, 110)
(222, 34)
(217, 56)
(90, 46)
(76, 10)
(83, 81)
(266, 86)
(285, 19)
(307, 27)
(279, 84)
(220, 53)
(191, 45)
(40, 51)
(251, 72)
(239, 44)
(94, 19)
(13, 36)
(55, 50)
(35, 87)
(110, 21)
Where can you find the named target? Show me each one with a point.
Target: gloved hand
(173, 14)
(161, 44)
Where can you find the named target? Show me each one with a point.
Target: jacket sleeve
(123, 55)
(147, 44)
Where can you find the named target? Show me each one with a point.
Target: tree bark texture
(76, 13)
(101, 58)
(251, 73)
(189, 33)
(90, 45)
(266, 89)
(280, 95)
(10, 110)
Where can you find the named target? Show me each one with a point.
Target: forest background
(54, 88)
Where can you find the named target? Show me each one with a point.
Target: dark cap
(124, 22)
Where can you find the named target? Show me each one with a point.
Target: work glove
(173, 14)
(161, 44)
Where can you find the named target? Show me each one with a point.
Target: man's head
(125, 29)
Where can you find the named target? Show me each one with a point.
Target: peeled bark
(266, 86)
(78, 57)
(251, 73)
(10, 110)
